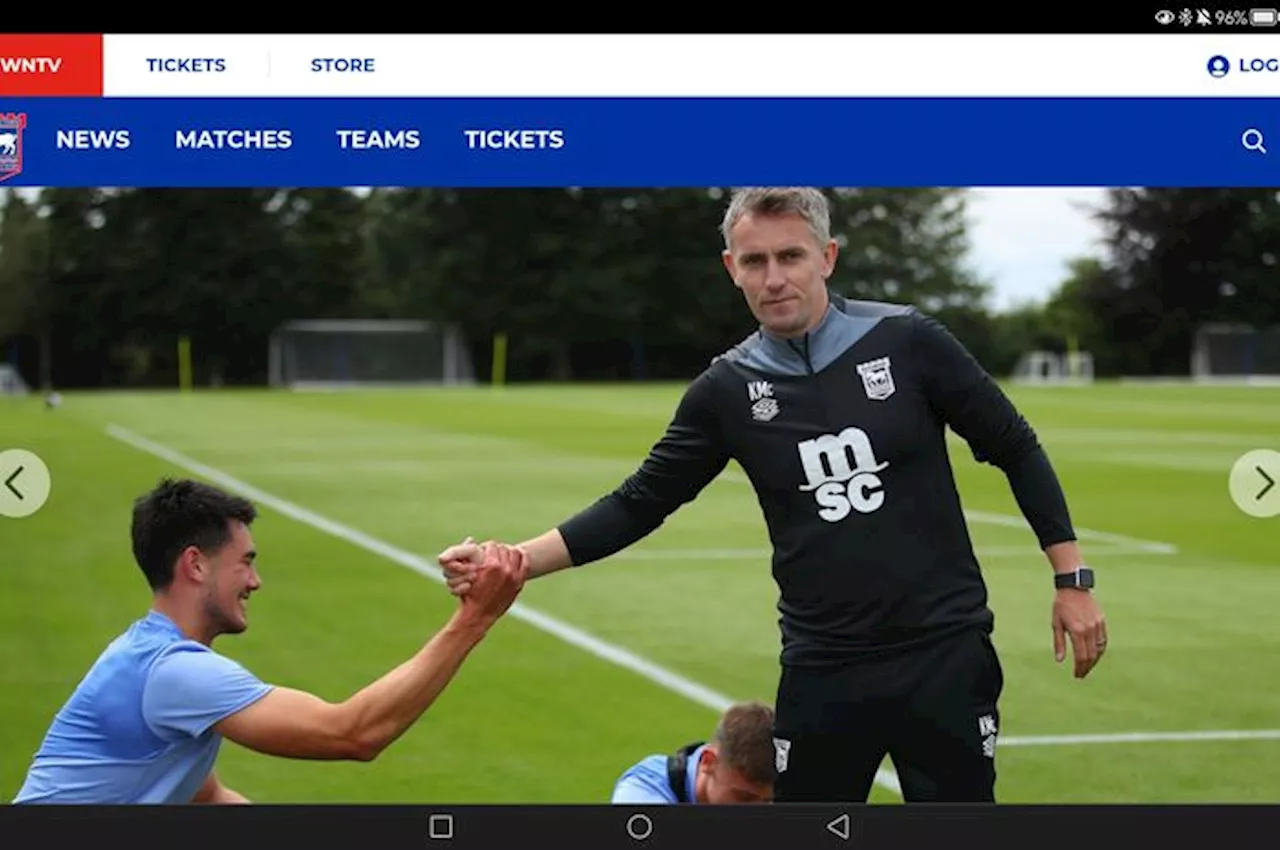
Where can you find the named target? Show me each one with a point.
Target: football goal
(1235, 353)
(1050, 367)
(353, 353)
(11, 383)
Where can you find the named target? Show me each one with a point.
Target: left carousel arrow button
(24, 483)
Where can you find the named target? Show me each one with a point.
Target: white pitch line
(1141, 737)
(1084, 534)
(647, 554)
(572, 635)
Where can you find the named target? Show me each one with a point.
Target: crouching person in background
(738, 765)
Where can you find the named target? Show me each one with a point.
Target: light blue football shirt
(138, 728)
(646, 782)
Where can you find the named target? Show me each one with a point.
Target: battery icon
(1263, 17)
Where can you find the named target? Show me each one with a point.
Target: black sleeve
(689, 456)
(970, 401)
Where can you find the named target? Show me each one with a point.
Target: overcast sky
(1022, 238)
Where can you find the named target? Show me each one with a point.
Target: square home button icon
(440, 827)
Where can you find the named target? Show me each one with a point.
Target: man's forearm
(688, 457)
(547, 553)
(381, 712)
(1064, 557)
(1039, 495)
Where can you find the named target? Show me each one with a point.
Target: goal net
(1236, 353)
(11, 383)
(350, 353)
(1050, 367)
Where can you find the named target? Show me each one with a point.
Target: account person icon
(1218, 67)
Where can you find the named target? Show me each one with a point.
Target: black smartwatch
(1080, 579)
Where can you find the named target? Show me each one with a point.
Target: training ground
(598, 667)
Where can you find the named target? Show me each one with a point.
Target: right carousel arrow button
(1255, 483)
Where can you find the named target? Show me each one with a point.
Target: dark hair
(178, 514)
(745, 741)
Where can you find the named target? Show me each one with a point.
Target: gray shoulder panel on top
(845, 324)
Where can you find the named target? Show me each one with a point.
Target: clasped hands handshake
(486, 577)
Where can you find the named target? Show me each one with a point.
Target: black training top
(842, 433)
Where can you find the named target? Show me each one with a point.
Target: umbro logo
(763, 405)
(781, 754)
(987, 729)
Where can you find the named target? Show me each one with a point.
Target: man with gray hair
(837, 410)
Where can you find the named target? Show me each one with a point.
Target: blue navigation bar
(639, 142)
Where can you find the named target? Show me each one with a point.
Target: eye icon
(1164, 17)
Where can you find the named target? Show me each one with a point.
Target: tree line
(98, 285)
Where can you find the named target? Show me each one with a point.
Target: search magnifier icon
(1253, 141)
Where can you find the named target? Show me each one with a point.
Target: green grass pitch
(363, 489)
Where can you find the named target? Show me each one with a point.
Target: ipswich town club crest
(877, 379)
(11, 126)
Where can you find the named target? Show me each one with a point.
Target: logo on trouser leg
(987, 729)
(781, 753)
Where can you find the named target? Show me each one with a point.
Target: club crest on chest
(877, 378)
